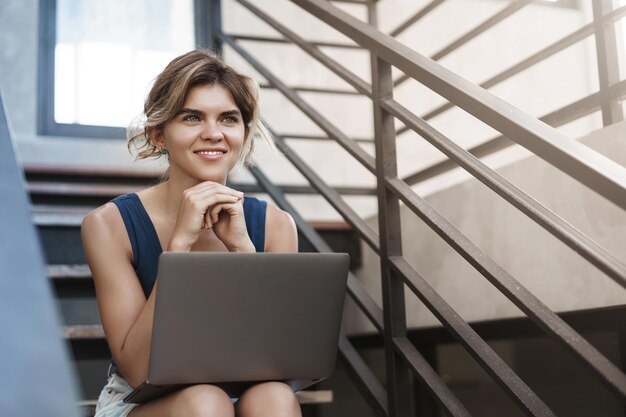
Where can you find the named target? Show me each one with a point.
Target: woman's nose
(212, 131)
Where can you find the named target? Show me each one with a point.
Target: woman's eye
(191, 118)
(230, 120)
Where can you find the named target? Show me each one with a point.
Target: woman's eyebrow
(233, 112)
(191, 111)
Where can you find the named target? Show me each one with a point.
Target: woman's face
(205, 139)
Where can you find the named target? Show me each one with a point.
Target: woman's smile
(211, 154)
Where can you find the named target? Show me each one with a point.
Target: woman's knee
(204, 401)
(269, 399)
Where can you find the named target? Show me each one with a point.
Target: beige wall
(554, 273)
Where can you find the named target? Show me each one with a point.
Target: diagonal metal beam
(512, 384)
(417, 16)
(569, 113)
(487, 24)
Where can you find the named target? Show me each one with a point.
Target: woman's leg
(269, 399)
(194, 401)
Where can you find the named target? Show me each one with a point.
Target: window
(98, 59)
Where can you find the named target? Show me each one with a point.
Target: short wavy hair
(171, 87)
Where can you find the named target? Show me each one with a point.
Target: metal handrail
(569, 113)
(585, 165)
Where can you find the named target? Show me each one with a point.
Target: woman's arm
(125, 314)
(281, 234)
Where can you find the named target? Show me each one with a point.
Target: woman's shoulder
(108, 215)
(103, 217)
(104, 228)
(281, 232)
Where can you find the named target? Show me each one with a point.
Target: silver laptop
(237, 319)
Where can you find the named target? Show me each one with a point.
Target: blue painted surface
(36, 376)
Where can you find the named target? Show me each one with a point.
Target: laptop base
(147, 391)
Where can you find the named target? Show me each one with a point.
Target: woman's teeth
(209, 152)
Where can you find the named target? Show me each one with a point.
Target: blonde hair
(167, 97)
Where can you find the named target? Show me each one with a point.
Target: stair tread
(83, 331)
(120, 172)
(80, 271)
(69, 189)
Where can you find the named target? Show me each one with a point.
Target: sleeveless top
(145, 241)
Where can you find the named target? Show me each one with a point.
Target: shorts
(111, 400)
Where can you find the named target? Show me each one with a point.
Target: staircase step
(80, 271)
(87, 331)
(73, 189)
(48, 215)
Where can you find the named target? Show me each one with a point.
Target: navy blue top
(145, 241)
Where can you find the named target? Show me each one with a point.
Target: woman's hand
(210, 205)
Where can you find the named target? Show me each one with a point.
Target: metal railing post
(399, 384)
(608, 65)
(208, 24)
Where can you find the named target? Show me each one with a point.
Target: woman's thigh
(197, 400)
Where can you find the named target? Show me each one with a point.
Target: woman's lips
(210, 155)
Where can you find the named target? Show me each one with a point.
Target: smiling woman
(203, 117)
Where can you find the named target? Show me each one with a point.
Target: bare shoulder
(104, 227)
(105, 213)
(281, 234)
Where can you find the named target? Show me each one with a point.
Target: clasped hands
(211, 205)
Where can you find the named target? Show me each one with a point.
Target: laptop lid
(224, 317)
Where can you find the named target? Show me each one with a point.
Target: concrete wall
(558, 276)
(536, 91)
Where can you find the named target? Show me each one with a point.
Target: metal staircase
(588, 167)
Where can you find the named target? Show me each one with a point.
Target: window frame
(46, 124)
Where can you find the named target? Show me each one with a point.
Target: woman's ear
(155, 136)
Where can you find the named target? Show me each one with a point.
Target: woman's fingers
(213, 213)
(208, 187)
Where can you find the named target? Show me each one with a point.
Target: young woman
(202, 116)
